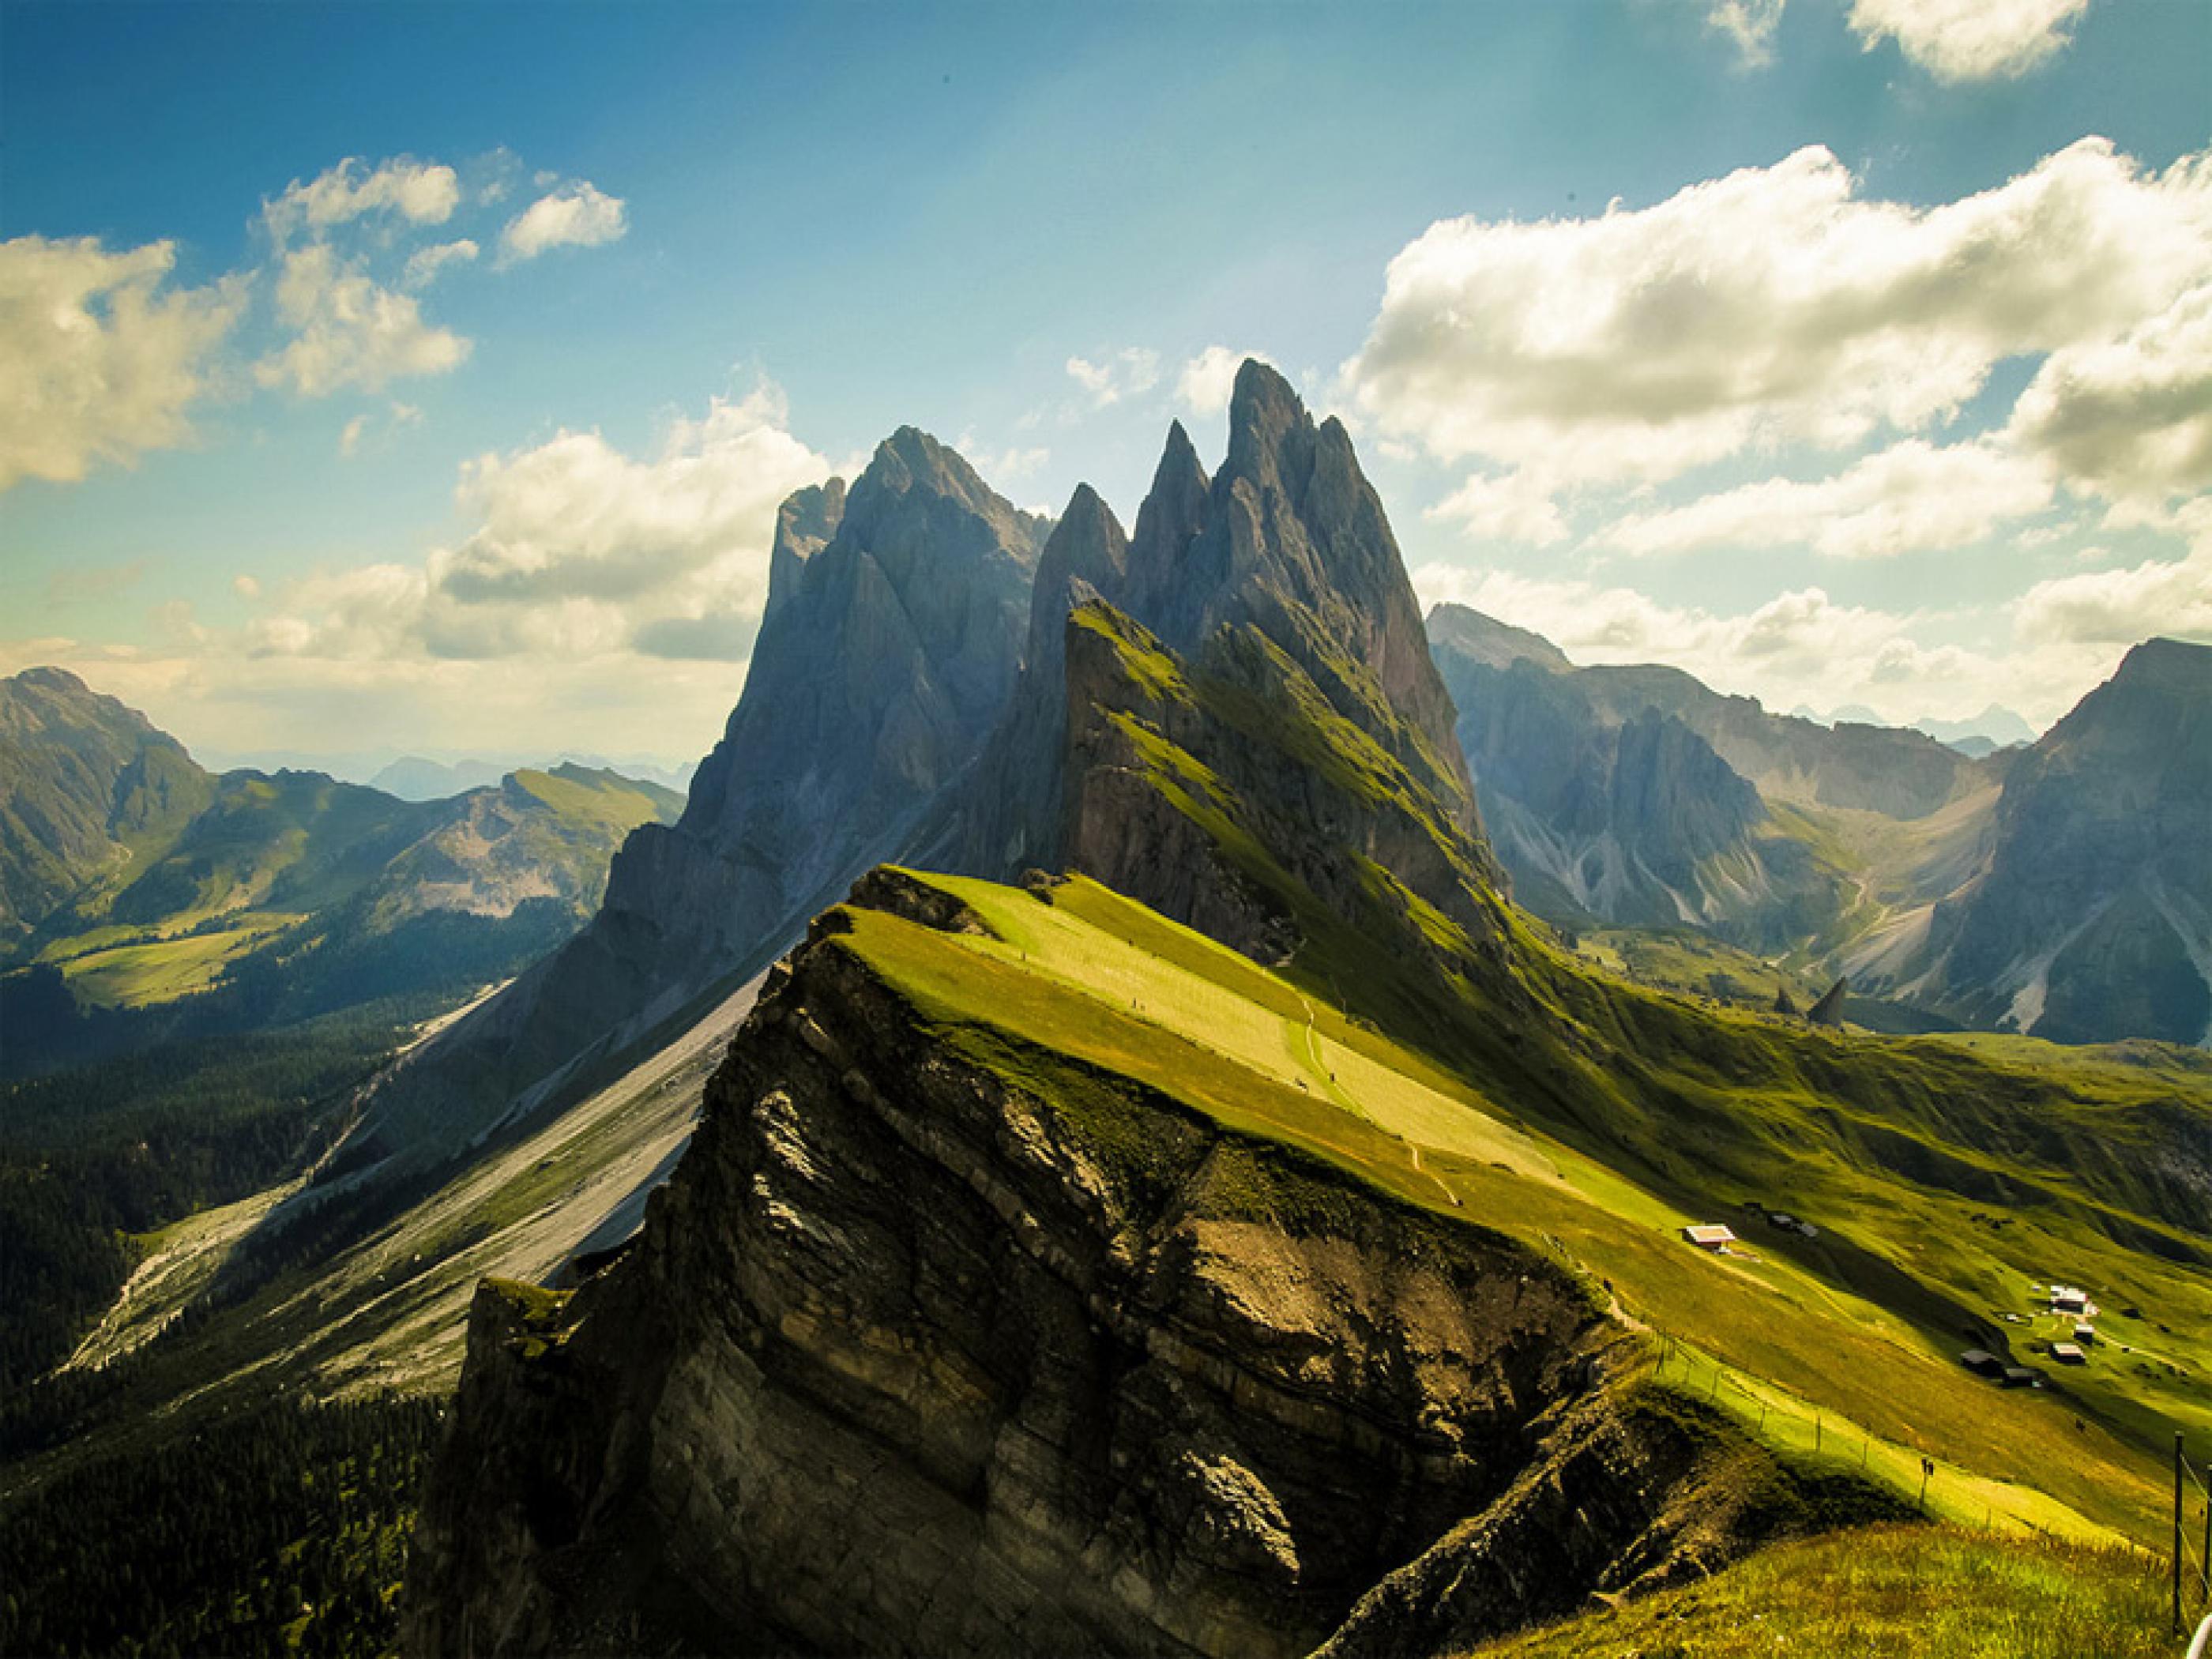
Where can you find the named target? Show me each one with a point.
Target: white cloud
(349, 330)
(1802, 646)
(1910, 497)
(1771, 306)
(350, 438)
(421, 193)
(1969, 39)
(599, 593)
(1749, 25)
(577, 214)
(1511, 506)
(1207, 380)
(2130, 417)
(575, 517)
(1126, 374)
(425, 263)
(100, 357)
(2121, 607)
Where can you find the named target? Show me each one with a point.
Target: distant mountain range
(132, 880)
(411, 777)
(2061, 888)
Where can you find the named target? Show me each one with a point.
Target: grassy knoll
(162, 965)
(1831, 1329)
(1912, 1592)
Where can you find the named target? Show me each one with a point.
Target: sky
(424, 378)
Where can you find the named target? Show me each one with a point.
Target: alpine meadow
(1187, 829)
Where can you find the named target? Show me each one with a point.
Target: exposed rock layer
(905, 1361)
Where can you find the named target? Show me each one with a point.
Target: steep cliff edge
(891, 641)
(954, 1344)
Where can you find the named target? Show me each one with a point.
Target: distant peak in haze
(1493, 643)
(1998, 727)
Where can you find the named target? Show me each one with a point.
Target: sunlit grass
(1096, 977)
(1888, 1593)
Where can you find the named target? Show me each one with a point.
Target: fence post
(2204, 1561)
(2176, 1532)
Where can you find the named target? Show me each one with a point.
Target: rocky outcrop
(916, 1357)
(893, 633)
(2091, 918)
(1228, 793)
(1629, 818)
(1287, 542)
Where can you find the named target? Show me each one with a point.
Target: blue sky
(1921, 420)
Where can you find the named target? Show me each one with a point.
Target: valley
(1198, 1151)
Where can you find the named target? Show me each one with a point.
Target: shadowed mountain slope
(891, 638)
(2092, 915)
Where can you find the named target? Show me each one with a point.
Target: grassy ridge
(1842, 1331)
(1886, 1593)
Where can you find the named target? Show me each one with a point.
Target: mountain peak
(1491, 642)
(804, 525)
(51, 679)
(2179, 665)
(911, 459)
(1266, 419)
(1086, 554)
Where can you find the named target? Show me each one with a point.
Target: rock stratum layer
(910, 1358)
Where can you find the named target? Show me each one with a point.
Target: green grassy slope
(1886, 1593)
(1947, 1179)
(284, 861)
(1829, 1329)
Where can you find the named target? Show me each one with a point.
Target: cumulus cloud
(1207, 381)
(1959, 40)
(579, 551)
(1124, 373)
(1803, 646)
(349, 330)
(2120, 607)
(1511, 506)
(2130, 417)
(599, 592)
(1749, 26)
(1910, 497)
(100, 355)
(577, 214)
(575, 517)
(1775, 305)
(425, 263)
(421, 193)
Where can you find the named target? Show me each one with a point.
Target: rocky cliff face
(909, 1358)
(1622, 816)
(2092, 917)
(892, 636)
(1228, 793)
(1278, 585)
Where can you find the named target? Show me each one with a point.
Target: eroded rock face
(1289, 543)
(2091, 918)
(892, 636)
(905, 1362)
(1203, 788)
